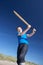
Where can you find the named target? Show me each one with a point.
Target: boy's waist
(23, 43)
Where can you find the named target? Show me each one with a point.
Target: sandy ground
(7, 63)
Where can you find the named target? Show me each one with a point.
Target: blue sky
(30, 10)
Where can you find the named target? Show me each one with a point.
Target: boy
(23, 44)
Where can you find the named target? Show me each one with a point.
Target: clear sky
(30, 10)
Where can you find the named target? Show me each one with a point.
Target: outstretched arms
(31, 34)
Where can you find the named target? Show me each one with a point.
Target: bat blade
(20, 17)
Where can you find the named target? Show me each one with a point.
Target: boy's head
(19, 29)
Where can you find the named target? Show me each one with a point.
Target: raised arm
(31, 34)
(28, 27)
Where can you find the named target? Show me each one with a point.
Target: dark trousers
(21, 52)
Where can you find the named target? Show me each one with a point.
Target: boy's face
(19, 29)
